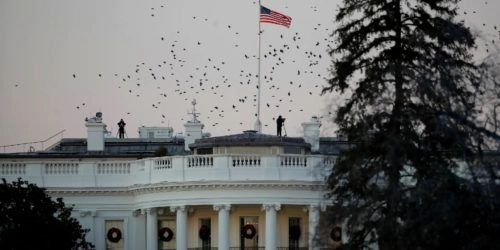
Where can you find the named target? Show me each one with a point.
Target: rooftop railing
(170, 169)
(32, 146)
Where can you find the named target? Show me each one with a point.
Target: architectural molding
(160, 211)
(181, 208)
(88, 213)
(187, 186)
(218, 207)
(269, 206)
(194, 186)
(315, 208)
(137, 212)
(151, 211)
(88, 191)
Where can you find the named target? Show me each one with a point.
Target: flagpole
(258, 124)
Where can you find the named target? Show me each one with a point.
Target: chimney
(95, 132)
(311, 133)
(193, 132)
(193, 128)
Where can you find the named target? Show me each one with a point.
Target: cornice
(88, 191)
(190, 186)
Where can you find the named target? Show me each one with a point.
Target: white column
(181, 224)
(271, 228)
(223, 232)
(151, 229)
(88, 221)
(313, 225)
(137, 236)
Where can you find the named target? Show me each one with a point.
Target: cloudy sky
(144, 61)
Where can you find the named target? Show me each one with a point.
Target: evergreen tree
(405, 71)
(30, 219)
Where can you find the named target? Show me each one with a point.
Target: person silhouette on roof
(121, 129)
(279, 124)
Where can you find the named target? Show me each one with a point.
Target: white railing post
(271, 166)
(322, 166)
(176, 173)
(269, 161)
(33, 170)
(148, 167)
(222, 166)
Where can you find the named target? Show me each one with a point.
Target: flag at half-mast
(271, 16)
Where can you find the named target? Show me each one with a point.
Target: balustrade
(13, 169)
(293, 161)
(200, 161)
(246, 160)
(172, 169)
(64, 168)
(113, 168)
(329, 161)
(162, 163)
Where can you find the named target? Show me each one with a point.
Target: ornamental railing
(101, 172)
(195, 161)
(293, 161)
(113, 168)
(12, 168)
(246, 160)
(65, 168)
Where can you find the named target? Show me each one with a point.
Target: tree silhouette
(405, 71)
(32, 220)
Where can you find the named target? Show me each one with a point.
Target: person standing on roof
(279, 124)
(121, 129)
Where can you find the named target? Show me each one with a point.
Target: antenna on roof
(194, 113)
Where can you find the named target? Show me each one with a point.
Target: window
(205, 234)
(294, 232)
(249, 237)
(168, 226)
(114, 234)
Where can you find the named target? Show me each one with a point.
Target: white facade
(186, 189)
(247, 190)
(155, 132)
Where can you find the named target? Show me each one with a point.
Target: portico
(269, 227)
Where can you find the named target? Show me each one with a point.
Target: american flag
(271, 16)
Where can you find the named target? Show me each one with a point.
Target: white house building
(240, 191)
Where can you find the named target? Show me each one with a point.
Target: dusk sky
(144, 61)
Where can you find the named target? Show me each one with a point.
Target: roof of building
(146, 147)
(249, 138)
(113, 147)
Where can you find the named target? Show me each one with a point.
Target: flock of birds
(294, 66)
(231, 90)
(291, 70)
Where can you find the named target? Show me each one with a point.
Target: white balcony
(99, 173)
